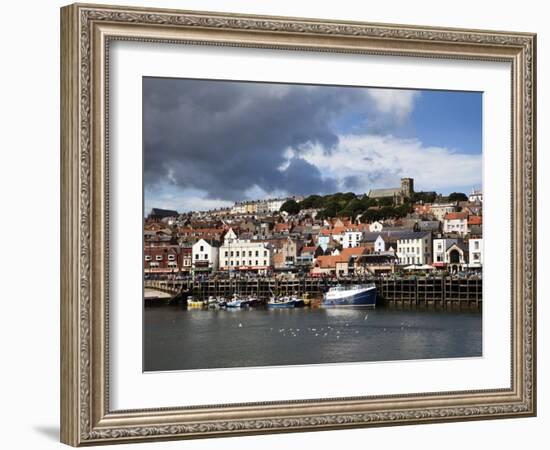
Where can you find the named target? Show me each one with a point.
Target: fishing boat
(213, 303)
(352, 295)
(253, 301)
(235, 303)
(281, 302)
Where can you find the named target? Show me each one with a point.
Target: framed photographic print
(275, 224)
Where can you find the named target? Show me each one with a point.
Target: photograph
(297, 224)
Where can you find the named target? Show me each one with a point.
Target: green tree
(385, 201)
(424, 197)
(290, 206)
(312, 201)
(458, 197)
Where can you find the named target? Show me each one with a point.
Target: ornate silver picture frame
(87, 32)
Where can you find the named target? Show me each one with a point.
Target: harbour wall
(413, 291)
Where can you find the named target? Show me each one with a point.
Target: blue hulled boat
(353, 295)
(281, 302)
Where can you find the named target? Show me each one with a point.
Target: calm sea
(180, 339)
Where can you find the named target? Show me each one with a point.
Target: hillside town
(384, 231)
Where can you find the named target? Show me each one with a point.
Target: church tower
(407, 187)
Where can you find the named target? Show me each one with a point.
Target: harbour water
(180, 339)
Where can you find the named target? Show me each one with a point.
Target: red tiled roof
(456, 216)
(353, 251)
(328, 261)
(282, 226)
(309, 249)
(475, 220)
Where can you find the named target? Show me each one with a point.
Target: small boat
(353, 295)
(213, 303)
(192, 303)
(236, 303)
(281, 302)
(253, 301)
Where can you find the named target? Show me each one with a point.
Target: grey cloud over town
(227, 138)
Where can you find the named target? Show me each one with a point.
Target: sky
(209, 143)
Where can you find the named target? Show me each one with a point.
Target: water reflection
(178, 339)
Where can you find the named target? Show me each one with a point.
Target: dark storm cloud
(226, 137)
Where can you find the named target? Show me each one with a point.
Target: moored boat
(281, 302)
(353, 295)
(235, 303)
(192, 303)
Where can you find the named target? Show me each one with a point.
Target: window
(265, 253)
(171, 257)
(237, 263)
(231, 254)
(202, 248)
(148, 257)
(237, 253)
(158, 257)
(197, 256)
(249, 262)
(265, 262)
(226, 253)
(231, 262)
(476, 245)
(257, 252)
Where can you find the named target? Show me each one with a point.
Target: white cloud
(397, 102)
(380, 161)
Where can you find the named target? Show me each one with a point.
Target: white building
(476, 196)
(440, 246)
(439, 210)
(414, 248)
(243, 254)
(456, 223)
(274, 205)
(475, 249)
(379, 245)
(351, 239)
(376, 227)
(239, 208)
(205, 256)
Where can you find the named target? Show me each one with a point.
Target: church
(398, 194)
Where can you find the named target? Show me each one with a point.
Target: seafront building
(205, 256)
(415, 247)
(244, 254)
(254, 237)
